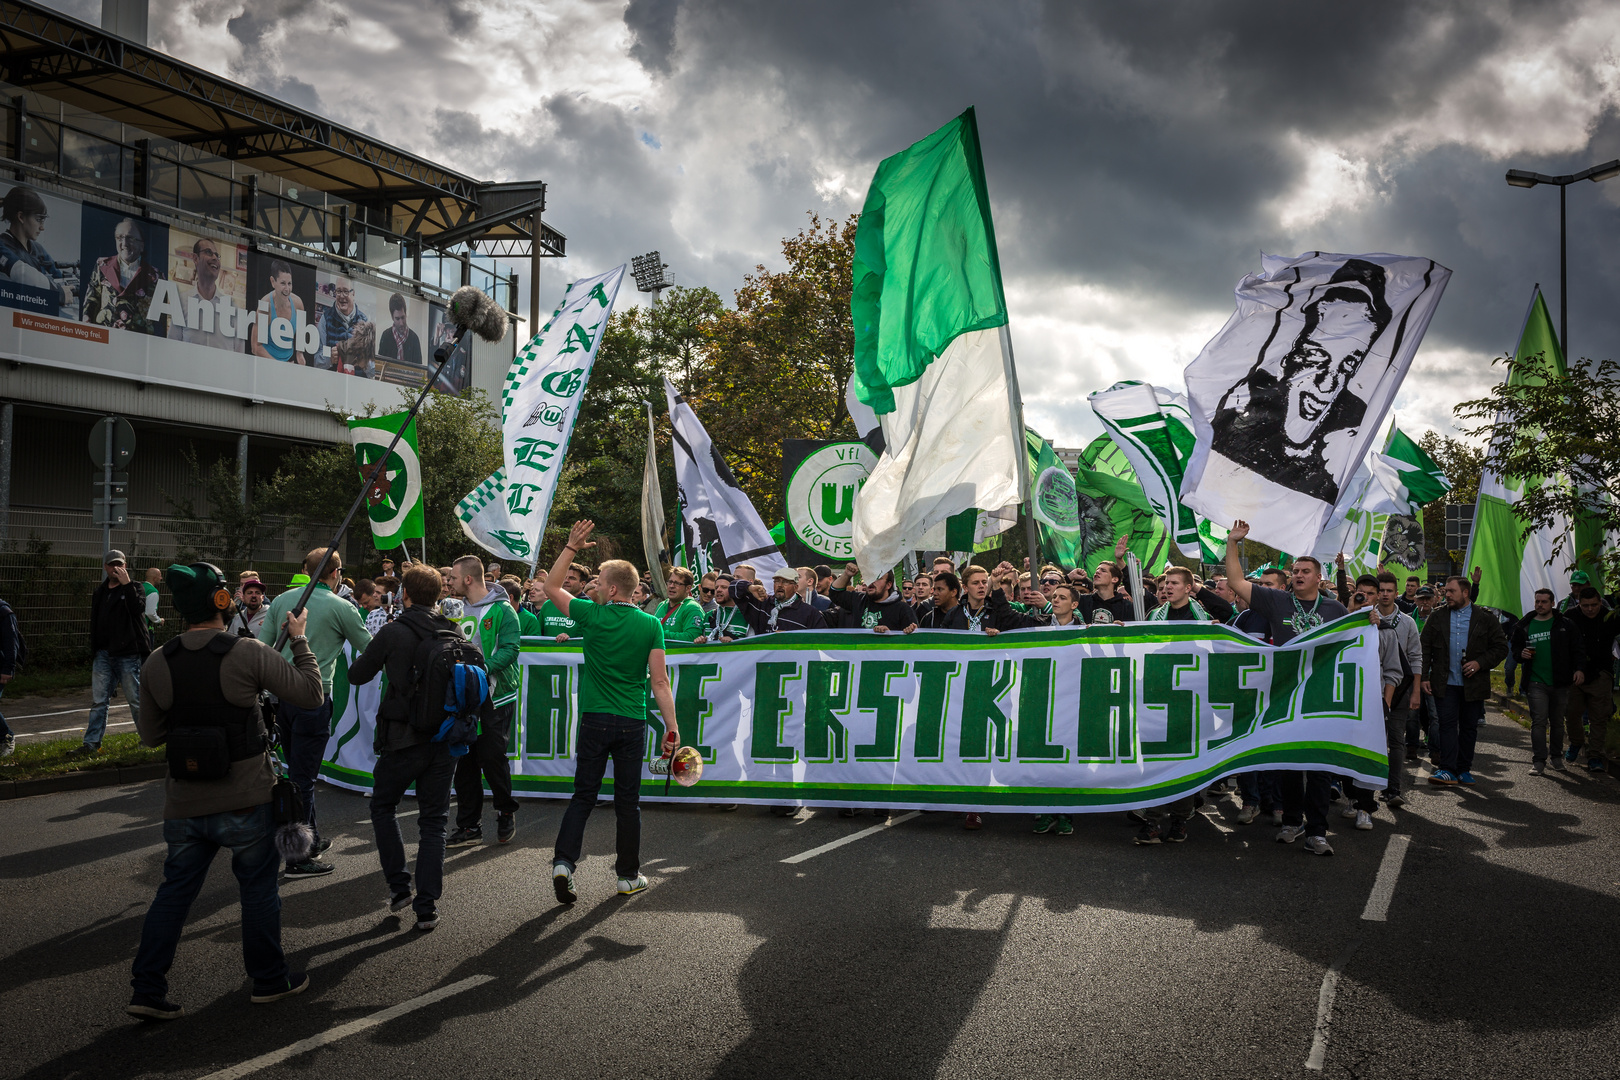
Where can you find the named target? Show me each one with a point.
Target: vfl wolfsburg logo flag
(1112, 504)
(1055, 503)
(538, 408)
(394, 499)
(1154, 429)
(820, 481)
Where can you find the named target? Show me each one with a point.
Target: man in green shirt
(1548, 646)
(490, 622)
(624, 651)
(304, 732)
(682, 617)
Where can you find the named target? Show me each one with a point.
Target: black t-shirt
(1115, 609)
(1287, 616)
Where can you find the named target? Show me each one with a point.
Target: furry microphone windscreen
(472, 310)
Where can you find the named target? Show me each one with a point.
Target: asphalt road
(920, 950)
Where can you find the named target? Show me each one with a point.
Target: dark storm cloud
(652, 24)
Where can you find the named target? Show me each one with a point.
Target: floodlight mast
(1522, 178)
(648, 271)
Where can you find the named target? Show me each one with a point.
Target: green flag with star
(394, 497)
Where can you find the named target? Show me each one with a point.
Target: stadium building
(230, 273)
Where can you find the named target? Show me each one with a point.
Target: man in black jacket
(119, 645)
(406, 755)
(1461, 644)
(1593, 696)
(944, 613)
(788, 611)
(877, 607)
(1550, 650)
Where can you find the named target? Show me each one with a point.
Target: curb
(79, 781)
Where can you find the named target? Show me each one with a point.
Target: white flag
(538, 408)
(1288, 397)
(722, 520)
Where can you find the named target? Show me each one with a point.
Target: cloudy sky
(1140, 156)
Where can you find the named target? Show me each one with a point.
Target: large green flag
(1113, 504)
(1420, 476)
(932, 357)
(1513, 565)
(1055, 503)
(394, 502)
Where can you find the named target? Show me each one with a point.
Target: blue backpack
(449, 690)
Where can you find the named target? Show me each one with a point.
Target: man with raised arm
(623, 647)
(1290, 613)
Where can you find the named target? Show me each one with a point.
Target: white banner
(1290, 394)
(1103, 718)
(507, 513)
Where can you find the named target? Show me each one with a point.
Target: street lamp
(1521, 178)
(649, 273)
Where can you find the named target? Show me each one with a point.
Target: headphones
(222, 596)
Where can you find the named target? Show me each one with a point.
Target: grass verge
(35, 760)
(50, 681)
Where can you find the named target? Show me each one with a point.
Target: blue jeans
(603, 736)
(1259, 789)
(5, 728)
(105, 671)
(1459, 729)
(192, 845)
(430, 767)
(304, 734)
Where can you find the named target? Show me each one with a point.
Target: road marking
(65, 712)
(1383, 890)
(1324, 1008)
(67, 730)
(343, 1031)
(850, 839)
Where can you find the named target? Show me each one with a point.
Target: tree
(222, 529)
(1558, 426)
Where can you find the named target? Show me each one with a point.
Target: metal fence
(50, 565)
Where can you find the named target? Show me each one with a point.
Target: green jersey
(618, 640)
(1538, 636)
(686, 622)
(528, 622)
(728, 622)
(554, 622)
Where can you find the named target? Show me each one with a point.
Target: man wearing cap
(788, 611)
(249, 618)
(119, 642)
(1578, 580)
(199, 696)
(305, 731)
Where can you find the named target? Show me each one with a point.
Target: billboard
(99, 281)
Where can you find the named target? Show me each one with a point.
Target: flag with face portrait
(1288, 397)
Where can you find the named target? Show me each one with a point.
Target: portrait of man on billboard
(348, 336)
(1286, 416)
(24, 259)
(398, 341)
(209, 289)
(118, 290)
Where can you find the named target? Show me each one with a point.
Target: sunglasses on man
(706, 590)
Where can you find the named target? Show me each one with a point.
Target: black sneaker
(466, 837)
(295, 983)
(1150, 834)
(153, 1008)
(1136, 816)
(322, 846)
(426, 921)
(309, 868)
(505, 828)
(1176, 833)
(400, 900)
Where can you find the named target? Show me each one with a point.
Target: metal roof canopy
(89, 68)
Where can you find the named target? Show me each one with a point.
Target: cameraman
(250, 616)
(406, 755)
(203, 679)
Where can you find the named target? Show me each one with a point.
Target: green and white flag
(1418, 478)
(1153, 427)
(1513, 564)
(394, 501)
(1113, 504)
(538, 408)
(932, 357)
(1056, 504)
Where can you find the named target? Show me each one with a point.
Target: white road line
(1324, 1008)
(850, 839)
(1383, 890)
(66, 730)
(343, 1031)
(63, 712)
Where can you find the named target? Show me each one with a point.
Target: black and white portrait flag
(1289, 396)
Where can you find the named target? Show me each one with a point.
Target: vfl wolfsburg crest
(821, 481)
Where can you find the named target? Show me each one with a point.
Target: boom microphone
(473, 310)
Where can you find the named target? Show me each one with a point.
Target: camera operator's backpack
(449, 689)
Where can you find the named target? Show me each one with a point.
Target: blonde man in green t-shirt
(623, 653)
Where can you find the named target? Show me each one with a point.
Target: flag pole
(1021, 447)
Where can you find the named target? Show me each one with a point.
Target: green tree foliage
(1558, 426)
(221, 529)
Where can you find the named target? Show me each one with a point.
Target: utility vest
(206, 732)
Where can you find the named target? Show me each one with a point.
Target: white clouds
(1329, 183)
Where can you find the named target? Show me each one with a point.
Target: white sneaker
(631, 886)
(1363, 820)
(1289, 833)
(1318, 845)
(8, 747)
(1248, 814)
(1349, 812)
